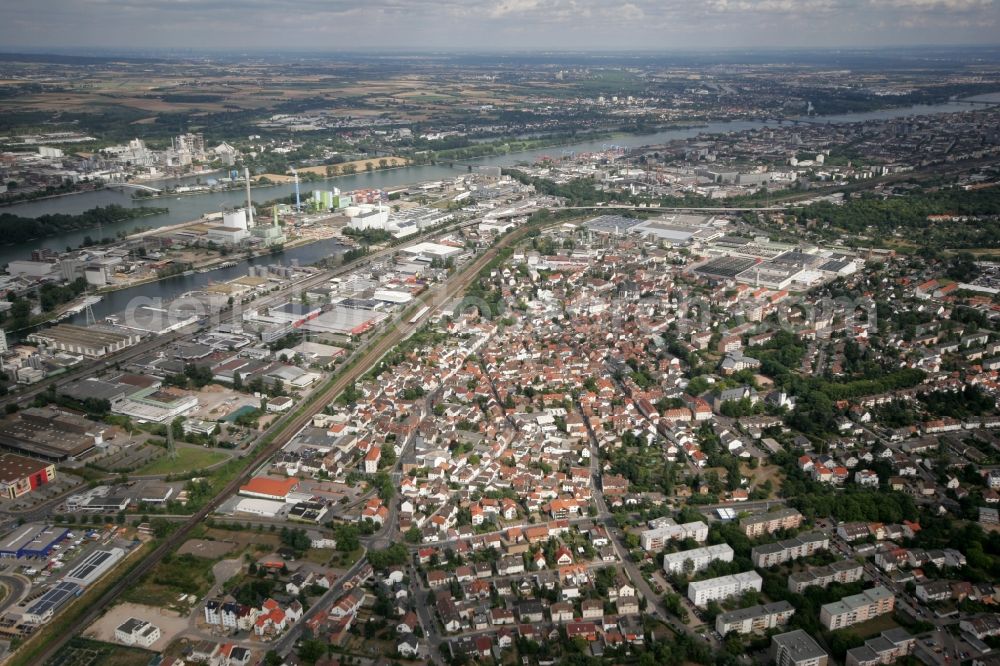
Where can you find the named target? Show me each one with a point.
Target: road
(286, 641)
(16, 587)
(276, 436)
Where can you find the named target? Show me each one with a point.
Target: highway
(279, 434)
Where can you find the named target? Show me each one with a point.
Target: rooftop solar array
(83, 571)
(54, 599)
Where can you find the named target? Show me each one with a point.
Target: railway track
(280, 434)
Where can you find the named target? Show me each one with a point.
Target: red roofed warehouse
(272, 489)
(19, 475)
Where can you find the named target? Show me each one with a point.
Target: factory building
(50, 434)
(94, 341)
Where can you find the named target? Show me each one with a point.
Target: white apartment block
(857, 608)
(841, 571)
(769, 523)
(699, 558)
(755, 618)
(804, 545)
(655, 538)
(797, 648)
(700, 592)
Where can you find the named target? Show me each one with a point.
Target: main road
(275, 437)
(654, 605)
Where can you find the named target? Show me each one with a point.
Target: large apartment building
(700, 592)
(841, 571)
(886, 648)
(696, 559)
(665, 530)
(769, 523)
(804, 545)
(857, 608)
(797, 648)
(755, 618)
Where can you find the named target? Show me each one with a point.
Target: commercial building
(268, 488)
(147, 319)
(94, 566)
(427, 251)
(32, 540)
(890, 645)
(43, 610)
(665, 530)
(255, 506)
(700, 592)
(97, 500)
(857, 608)
(93, 341)
(797, 648)
(769, 523)
(20, 475)
(50, 434)
(804, 545)
(755, 618)
(137, 632)
(696, 559)
(343, 320)
(841, 571)
(157, 404)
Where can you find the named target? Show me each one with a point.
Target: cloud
(935, 5)
(496, 24)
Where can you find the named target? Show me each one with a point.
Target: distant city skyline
(336, 25)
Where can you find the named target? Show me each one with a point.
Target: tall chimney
(250, 224)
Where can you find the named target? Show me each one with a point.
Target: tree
(347, 538)
(296, 539)
(312, 650)
(177, 427)
(395, 555)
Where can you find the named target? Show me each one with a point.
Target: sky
(346, 25)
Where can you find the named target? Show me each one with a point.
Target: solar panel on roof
(54, 598)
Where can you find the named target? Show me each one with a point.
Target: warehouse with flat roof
(32, 540)
(55, 598)
(92, 341)
(50, 434)
(94, 566)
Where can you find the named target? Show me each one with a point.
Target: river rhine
(186, 208)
